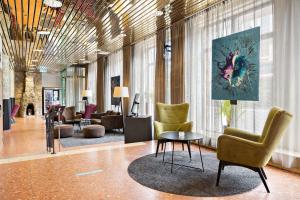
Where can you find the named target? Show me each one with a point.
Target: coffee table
(183, 137)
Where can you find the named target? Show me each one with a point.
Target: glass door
(51, 96)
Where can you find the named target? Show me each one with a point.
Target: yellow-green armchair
(237, 147)
(171, 117)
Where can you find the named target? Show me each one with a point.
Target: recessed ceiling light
(38, 50)
(53, 3)
(32, 65)
(158, 13)
(34, 60)
(43, 32)
(102, 52)
(122, 35)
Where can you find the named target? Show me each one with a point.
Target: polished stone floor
(96, 172)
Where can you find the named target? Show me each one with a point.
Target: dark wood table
(183, 137)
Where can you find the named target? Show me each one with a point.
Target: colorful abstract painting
(235, 66)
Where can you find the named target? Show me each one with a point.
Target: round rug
(151, 172)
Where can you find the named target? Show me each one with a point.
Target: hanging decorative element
(235, 66)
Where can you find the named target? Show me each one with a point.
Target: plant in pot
(226, 111)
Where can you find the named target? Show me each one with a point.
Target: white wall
(51, 80)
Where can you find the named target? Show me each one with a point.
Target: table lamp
(85, 95)
(121, 92)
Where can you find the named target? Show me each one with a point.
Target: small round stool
(93, 131)
(65, 131)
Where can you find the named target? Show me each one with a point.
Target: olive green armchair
(240, 148)
(171, 117)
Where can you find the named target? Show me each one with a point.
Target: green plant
(226, 110)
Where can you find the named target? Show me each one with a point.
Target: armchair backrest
(69, 113)
(15, 109)
(275, 126)
(172, 113)
(89, 109)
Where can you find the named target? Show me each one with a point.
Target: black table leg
(172, 157)
(200, 155)
(189, 148)
(164, 143)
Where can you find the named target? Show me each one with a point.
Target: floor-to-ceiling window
(167, 57)
(277, 83)
(113, 68)
(143, 74)
(227, 18)
(74, 84)
(92, 81)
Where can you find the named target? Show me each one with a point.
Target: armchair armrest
(241, 134)
(97, 115)
(242, 151)
(78, 116)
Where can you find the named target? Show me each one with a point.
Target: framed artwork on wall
(115, 81)
(235, 66)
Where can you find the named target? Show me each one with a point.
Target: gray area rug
(153, 173)
(79, 140)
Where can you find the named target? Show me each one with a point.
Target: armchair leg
(219, 172)
(263, 179)
(182, 146)
(263, 172)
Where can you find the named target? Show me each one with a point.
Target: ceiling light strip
(82, 31)
(136, 16)
(70, 29)
(6, 37)
(15, 46)
(62, 28)
(32, 48)
(52, 33)
(84, 39)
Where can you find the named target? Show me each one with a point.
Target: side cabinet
(138, 129)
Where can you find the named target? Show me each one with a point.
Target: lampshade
(121, 92)
(86, 93)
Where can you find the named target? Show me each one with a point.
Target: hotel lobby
(149, 99)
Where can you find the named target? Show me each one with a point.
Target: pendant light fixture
(53, 3)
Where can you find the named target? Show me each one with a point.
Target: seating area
(165, 99)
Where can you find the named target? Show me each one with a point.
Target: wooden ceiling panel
(81, 27)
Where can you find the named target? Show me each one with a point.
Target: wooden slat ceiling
(81, 27)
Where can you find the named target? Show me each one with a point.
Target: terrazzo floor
(97, 172)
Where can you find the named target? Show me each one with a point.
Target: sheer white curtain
(224, 19)
(143, 74)
(92, 81)
(70, 87)
(279, 69)
(75, 83)
(114, 68)
(286, 77)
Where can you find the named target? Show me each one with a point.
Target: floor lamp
(121, 92)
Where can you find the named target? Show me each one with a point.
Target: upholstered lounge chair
(237, 147)
(172, 117)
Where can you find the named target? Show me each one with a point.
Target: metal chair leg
(219, 172)
(263, 172)
(263, 179)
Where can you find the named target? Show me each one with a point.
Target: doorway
(51, 96)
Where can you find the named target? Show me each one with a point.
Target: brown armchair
(110, 120)
(69, 115)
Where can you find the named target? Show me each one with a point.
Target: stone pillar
(32, 93)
